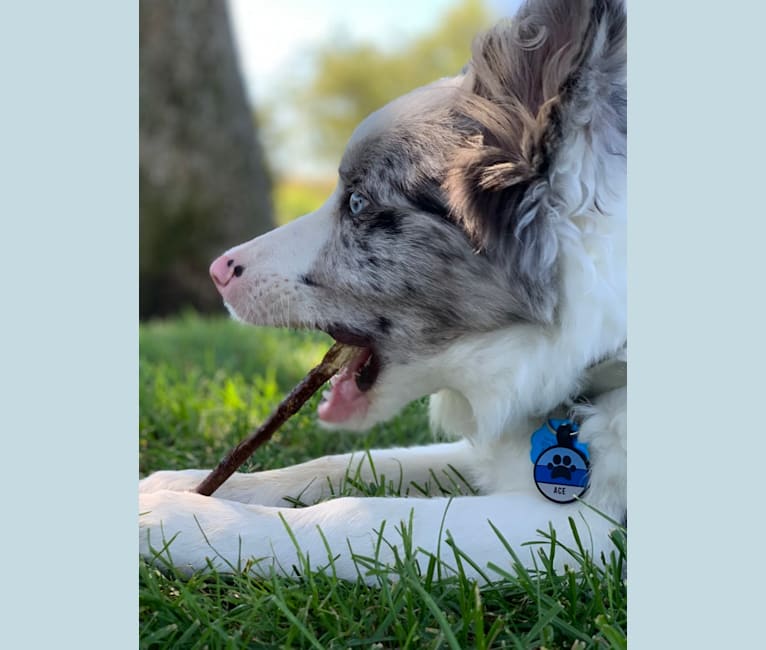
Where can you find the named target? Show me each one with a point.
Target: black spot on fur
(344, 240)
(372, 260)
(387, 221)
(384, 324)
(427, 196)
(308, 281)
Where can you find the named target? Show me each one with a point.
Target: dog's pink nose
(224, 269)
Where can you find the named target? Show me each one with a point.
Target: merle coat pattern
(475, 249)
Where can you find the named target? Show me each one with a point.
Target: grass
(204, 383)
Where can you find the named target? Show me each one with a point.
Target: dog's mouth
(348, 395)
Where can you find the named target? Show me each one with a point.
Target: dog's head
(464, 217)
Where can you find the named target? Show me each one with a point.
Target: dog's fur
(487, 269)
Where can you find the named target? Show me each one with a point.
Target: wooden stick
(337, 356)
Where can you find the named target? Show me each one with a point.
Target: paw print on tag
(561, 474)
(561, 467)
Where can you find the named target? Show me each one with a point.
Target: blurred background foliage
(352, 78)
(216, 170)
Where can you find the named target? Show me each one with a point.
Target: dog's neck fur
(534, 370)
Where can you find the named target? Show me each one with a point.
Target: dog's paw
(269, 488)
(184, 480)
(191, 532)
(158, 529)
(172, 529)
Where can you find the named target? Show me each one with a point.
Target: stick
(337, 356)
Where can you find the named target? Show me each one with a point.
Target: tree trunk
(204, 185)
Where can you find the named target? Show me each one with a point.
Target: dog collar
(561, 464)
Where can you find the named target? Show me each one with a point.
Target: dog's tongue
(344, 400)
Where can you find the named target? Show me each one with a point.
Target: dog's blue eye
(357, 203)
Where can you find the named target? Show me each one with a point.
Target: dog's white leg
(413, 471)
(189, 530)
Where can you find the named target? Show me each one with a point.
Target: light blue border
(69, 207)
(696, 380)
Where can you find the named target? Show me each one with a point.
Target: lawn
(204, 384)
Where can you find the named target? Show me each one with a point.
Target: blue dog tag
(561, 466)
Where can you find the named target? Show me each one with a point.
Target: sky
(271, 34)
(272, 37)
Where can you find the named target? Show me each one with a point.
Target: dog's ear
(556, 70)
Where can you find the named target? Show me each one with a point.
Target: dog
(475, 251)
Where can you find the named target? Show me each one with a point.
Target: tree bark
(204, 183)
